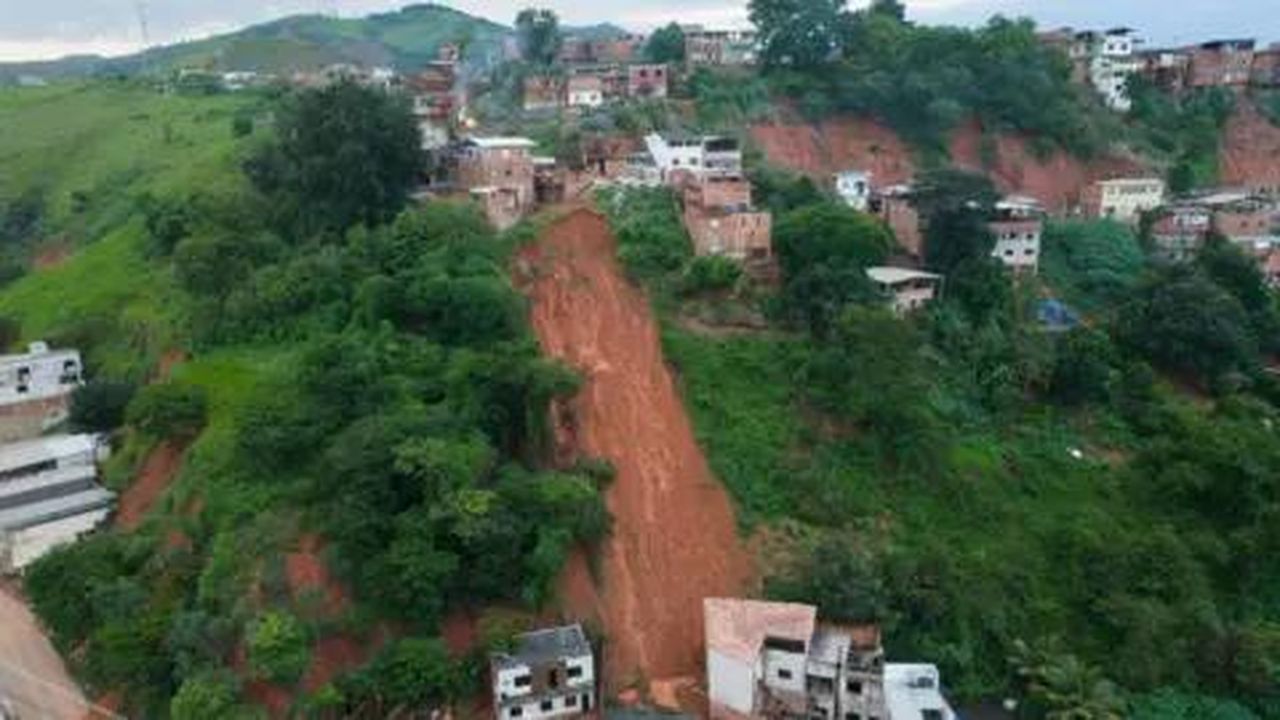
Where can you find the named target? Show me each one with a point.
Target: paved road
(32, 676)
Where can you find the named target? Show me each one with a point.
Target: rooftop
(48, 511)
(491, 143)
(739, 627)
(897, 275)
(30, 452)
(911, 689)
(34, 350)
(14, 493)
(544, 646)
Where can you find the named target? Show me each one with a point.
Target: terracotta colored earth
(158, 470)
(1251, 150)
(850, 143)
(674, 539)
(306, 571)
(33, 679)
(51, 256)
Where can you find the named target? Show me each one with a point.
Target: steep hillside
(849, 143)
(1251, 149)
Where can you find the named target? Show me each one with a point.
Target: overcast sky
(38, 29)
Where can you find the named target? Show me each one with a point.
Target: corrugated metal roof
(40, 513)
(543, 646)
(489, 143)
(894, 275)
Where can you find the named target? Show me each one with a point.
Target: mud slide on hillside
(155, 475)
(674, 539)
(1250, 150)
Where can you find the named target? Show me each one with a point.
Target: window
(854, 686)
(516, 711)
(575, 672)
(523, 680)
(931, 714)
(571, 701)
(784, 674)
(852, 716)
(547, 705)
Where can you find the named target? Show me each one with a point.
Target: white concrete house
(1018, 229)
(1125, 199)
(38, 373)
(854, 188)
(702, 156)
(549, 674)
(1112, 61)
(49, 496)
(905, 290)
(913, 692)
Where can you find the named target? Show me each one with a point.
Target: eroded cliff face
(1250, 156)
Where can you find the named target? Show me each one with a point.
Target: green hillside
(403, 39)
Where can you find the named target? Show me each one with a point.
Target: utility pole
(141, 7)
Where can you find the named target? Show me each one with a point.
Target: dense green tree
(99, 405)
(168, 219)
(824, 250)
(1061, 687)
(872, 371)
(1239, 274)
(1183, 322)
(538, 32)
(1085, 367)
(168, 411)
(278, 646)
(345, 154)
(797, 33)
(838, 577)
(212, 696)
(666, 45)
(893, 9)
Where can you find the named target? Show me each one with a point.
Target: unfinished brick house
(1266, 68)
(35, 390)
(893, 205)
(498, 172)
(1221, 63)
(543, 92)
(721, 220)
(647, 81)
(720, 47)
(1180, 231)
(1166, 69)
(584, 91)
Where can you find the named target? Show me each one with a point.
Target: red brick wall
(1244, 223)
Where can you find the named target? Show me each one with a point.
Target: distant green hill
(404, 39)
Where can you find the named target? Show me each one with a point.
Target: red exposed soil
(169, 361)
(307, 573)
(674, 540)
(51, 256)
(154, 477)
(1251, 150)
(858, 143)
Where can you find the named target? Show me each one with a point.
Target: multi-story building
(35, 390)
(1221, 63)
(439, 98)
(648, 81)
(498, 172)
(905, 289)
(720, 47)
(699, 156)
(721, 220)
(584, 91)
(549, 674)
(49, 496)
(776, 660)
(1018, 227)
(1180, 231)
(854, 188)
(894, 206)
(1107, 60)
(1123, 199)
(543, 92)
(1167, 69)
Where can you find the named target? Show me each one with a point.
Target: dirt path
(158, 470)
(32, 676)
(674, 540)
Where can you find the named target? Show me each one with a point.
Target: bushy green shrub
(99, 405)
(278, 646)
(168, 411)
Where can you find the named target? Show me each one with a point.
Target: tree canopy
(538, 32)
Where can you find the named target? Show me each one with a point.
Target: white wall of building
(40, 373)
(1018, 250)
(586, 98)
(20, 548)
(1126, 200)
(854, 188)
(730, 683)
